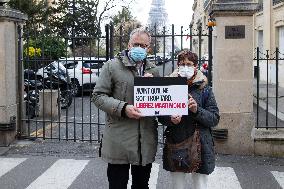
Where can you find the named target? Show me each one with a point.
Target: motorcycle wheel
(65, 99)
(75, 87)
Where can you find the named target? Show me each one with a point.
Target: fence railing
(268, 89)
(80, 120)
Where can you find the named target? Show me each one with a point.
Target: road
(45, 165)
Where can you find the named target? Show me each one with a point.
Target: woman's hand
(192, 105)
(176, 119)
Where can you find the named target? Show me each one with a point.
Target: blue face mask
(137, 54)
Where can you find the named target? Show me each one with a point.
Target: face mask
(137, 54)
(186, 71)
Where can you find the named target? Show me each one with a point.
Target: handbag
(184, 156)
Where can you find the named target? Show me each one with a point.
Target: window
(260, 2)
(93, 64)
(281, 44)
(260, 40)
(69, 64)
(281, 41)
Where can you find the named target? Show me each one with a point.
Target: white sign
(163, 96)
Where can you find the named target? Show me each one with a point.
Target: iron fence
(269, 91)
(57, 91)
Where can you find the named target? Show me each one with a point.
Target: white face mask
(186, 71)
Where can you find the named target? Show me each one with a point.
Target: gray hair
(140, 30)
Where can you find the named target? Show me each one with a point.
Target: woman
(203, 111)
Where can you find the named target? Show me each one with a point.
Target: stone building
(241, 26)
(200, 18)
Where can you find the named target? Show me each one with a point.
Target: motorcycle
(31, 96)
(50, 77)
(55, 76)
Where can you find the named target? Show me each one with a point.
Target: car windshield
(93, 64)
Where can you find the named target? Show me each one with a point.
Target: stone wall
(9, 103)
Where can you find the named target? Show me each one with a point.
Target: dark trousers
(118, 175)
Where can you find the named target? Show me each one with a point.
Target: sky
(179, 11)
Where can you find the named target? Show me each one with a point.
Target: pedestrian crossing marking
(222, 178)
(7, 164)
(153, 177)
(279, 176)
(60, 175)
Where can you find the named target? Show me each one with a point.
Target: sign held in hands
(158, 96)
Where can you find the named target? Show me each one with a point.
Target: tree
(79, 17)
(122, 16)
(77, 21)
(123, 23)
(36, 11)
(45, 49)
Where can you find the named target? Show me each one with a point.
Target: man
(129, 139)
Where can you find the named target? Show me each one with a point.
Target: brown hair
(188, 54)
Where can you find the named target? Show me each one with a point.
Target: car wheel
(75, 87)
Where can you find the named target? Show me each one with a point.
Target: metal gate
(269, 89)
(56, 99)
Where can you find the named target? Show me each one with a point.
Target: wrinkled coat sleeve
(103, 91)
(208, 116)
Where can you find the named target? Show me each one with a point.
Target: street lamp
(2, 2)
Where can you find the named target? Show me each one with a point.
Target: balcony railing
(275, 2)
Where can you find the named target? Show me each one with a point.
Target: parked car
(83, 72)
(159, 58)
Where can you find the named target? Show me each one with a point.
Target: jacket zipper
(139, 143)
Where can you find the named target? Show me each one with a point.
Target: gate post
(233, 73)
(9, 104)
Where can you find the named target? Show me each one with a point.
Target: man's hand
(192, 105)
(176, 119)
(148, 75)
(132, 112)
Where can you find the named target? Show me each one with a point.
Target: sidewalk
(271, 98)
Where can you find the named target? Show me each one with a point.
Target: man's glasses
(144, 46)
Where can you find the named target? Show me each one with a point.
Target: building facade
(268, 35)
(200, 18)
(241, 27)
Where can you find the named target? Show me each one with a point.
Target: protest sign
(157, 96)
